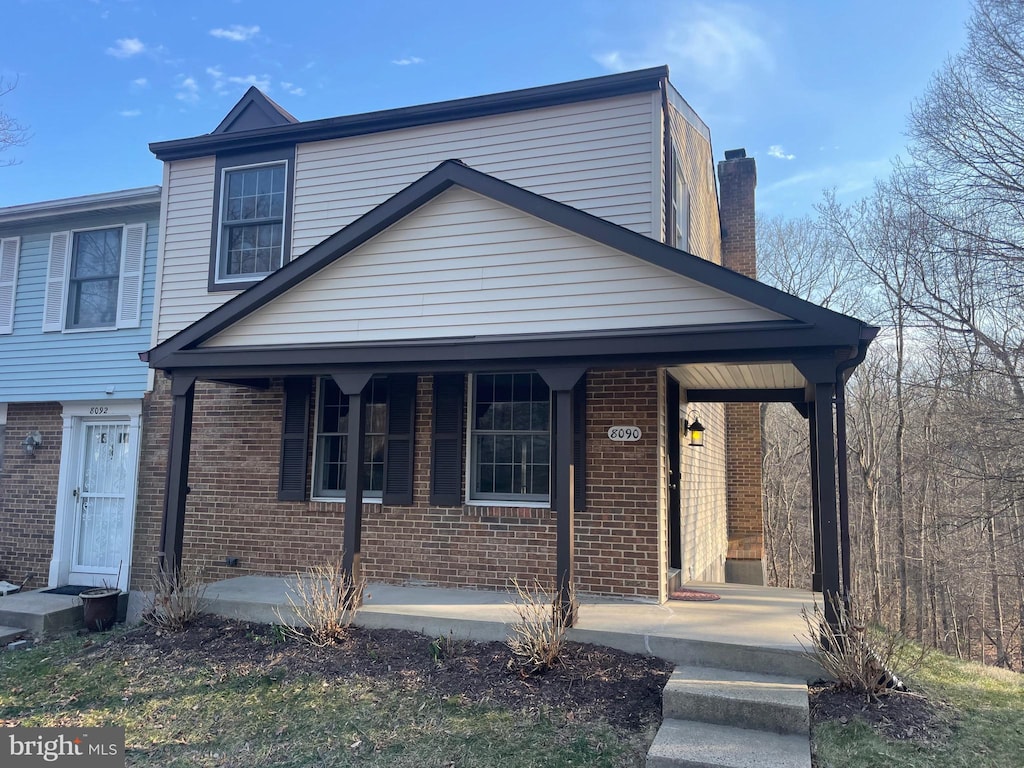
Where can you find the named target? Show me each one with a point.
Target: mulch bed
(900, 716)
(588, 683)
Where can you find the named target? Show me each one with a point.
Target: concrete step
(10, 634)
(40, 613)
(689, 744)
(726, 697)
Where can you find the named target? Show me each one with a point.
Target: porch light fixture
(32, 441)
(696, 430)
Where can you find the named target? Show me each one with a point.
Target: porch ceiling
(737, 376)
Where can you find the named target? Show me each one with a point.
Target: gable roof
(290, 131)
(840, 329)
(253, 111)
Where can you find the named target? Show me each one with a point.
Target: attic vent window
(252, 222)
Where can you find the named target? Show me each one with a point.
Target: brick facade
(233, 510)
(737, 176)
(28, 493)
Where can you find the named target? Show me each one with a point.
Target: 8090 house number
(624, 434)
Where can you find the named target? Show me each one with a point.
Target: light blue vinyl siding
(78, 365)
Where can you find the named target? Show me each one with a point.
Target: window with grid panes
(510, 437)
(332, 439)
(252, 222)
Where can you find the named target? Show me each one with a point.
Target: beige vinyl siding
(466, 265)
(595, 156)
(699, 172)
(185, 249)
(702, 498)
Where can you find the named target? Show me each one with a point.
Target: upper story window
(252, 222)
(680, 222)
(93, 279)
(510, 438)
(252, 209)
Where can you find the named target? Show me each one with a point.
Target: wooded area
(935, 256)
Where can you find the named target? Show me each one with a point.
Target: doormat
(70, 589)
(693, 595)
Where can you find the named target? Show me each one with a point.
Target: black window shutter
(398, 459)
(579, 441)
(446, 442)
(294, 439)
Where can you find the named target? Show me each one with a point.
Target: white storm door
(103, 507)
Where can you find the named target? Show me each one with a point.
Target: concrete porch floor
(751, 628)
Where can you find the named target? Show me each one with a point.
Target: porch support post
(828, 529)
(354, 386)
(176, 489)
(844, 486)
(561, 381)
(815, 505)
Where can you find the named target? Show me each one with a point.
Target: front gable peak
(253, 111)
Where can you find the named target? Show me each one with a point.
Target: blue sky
(817, 91)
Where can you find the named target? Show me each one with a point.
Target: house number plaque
(624, 434)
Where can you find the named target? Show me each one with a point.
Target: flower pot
(99, 608)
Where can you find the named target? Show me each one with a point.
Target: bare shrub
(863, 659)
(325, 602)
(177, 598)
(538, 638)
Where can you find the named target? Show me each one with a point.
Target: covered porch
(605, 359)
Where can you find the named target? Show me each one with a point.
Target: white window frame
(681, 204)
(315, 494)
(3, 432)
(130, 278)
(219, 274)
(516, 500)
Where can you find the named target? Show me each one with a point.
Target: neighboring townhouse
(467, 342)
(77, 280)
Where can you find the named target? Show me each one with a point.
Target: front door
(102, 502)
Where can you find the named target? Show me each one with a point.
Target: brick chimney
(737, 178)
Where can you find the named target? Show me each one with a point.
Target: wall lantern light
(32, 441)
(696, 430)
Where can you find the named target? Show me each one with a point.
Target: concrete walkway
(750, 628)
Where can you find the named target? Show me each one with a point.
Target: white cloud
(775, 150)
(188, 91)
(140, 82)
(406, 61)
(130, 112)
(293, 89)
(236, 33)
(716, 45)
(222, 81)
(127, 47)
(260, 81)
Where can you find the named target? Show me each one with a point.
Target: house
(471, 341)
(77, 280)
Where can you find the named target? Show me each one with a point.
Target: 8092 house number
(98, 409)
(624, 434)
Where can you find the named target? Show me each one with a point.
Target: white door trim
(75, 414)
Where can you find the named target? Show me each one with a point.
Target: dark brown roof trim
(746, 342)
(839, 330)
(406, 117)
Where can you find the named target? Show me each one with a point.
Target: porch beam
(354, 386)
(794, 395)
(828, 530)
(842, 474)
(176, 488)
(562, 381)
